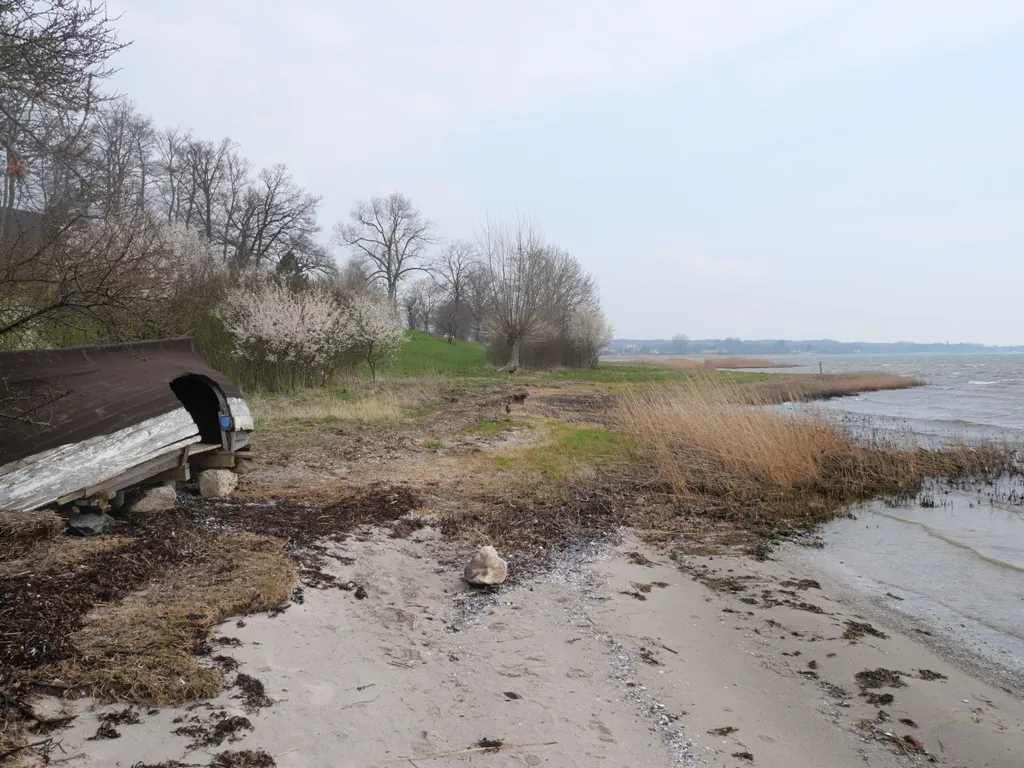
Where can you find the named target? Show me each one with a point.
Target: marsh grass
(721, 451)
(744, 362)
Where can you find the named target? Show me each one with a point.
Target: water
(967, 396)
(958, 566)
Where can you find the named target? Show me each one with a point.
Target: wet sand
(571, 668)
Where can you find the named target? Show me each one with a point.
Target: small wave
(982, 383)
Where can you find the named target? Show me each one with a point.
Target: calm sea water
(955, 557)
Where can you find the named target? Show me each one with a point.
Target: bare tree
(412, 303)
(53, 56)
(519, 266)
(479, 298)
(679, 341)
(206, 164)
(390, 234)
(277, 216)
(121, 158)
(451, 270)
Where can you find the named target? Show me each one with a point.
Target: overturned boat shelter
(85, 422)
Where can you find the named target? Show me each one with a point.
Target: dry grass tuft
(355, 402)
(21, 531)
(143, 648)
(722, 454)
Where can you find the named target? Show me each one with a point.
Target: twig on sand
(410, 758)
(15, 750)
(509, 639)
(357, 703)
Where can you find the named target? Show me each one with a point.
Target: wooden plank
(219, 460)
(90, 465)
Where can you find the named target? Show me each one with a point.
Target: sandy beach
(616, 655)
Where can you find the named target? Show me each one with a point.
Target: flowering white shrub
(589, 333)
(374, 330)
(307, 330)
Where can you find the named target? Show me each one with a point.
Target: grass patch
(356, 401)
(490, 427)
(567, 452)
(433, 445)
(426, 353)
(782, 388)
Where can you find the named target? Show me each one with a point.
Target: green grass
(433, 445)
(569, 450)
(490, 427)
(426, 353)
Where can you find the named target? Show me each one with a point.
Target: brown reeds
(719, 450)
(784, 388)
(737, 363)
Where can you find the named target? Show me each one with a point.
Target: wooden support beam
(217, 460)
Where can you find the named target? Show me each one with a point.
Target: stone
(244, 466)
(486, 568)
(159, 499)
(89, 523)
(217, 483)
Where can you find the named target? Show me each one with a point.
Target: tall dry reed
(720, 448)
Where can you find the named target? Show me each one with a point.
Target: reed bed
(721, 451)
(729, 363)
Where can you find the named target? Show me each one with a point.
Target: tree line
(113, 228)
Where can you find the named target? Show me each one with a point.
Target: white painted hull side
(45, 477)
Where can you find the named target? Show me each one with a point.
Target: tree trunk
(513, 362)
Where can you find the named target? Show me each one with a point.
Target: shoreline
(963, 649)
(616, 654)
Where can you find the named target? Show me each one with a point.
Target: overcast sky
(753, 168)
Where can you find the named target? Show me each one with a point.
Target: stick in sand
(410, 758)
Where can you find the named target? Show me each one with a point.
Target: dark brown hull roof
(55, 397)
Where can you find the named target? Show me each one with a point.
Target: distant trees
(451, 270)
(112, 228)
(534, 291)
(390, 235)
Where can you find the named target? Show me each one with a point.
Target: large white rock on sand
(486, 567)
(217, 483)
(158, 499)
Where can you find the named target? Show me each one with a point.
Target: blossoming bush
(374, 329)
(294, 337)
